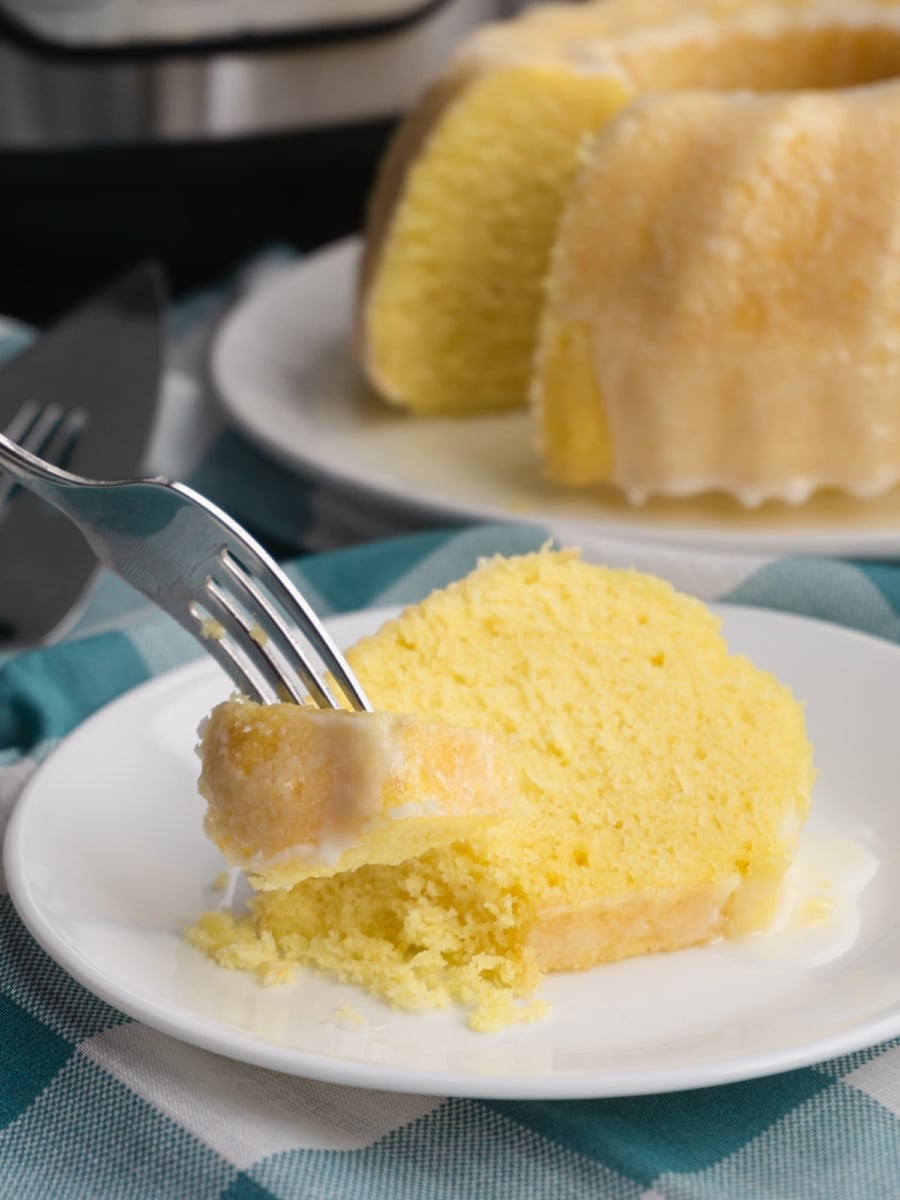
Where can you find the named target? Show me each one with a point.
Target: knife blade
(105, 358)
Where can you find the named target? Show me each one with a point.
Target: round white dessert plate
(107, 865)
(283, 366)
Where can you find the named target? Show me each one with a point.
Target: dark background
(72, 220)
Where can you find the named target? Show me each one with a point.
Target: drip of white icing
(819, 916)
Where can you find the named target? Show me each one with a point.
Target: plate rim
(215, 1036)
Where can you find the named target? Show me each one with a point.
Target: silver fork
(195, 562)
(48, 430)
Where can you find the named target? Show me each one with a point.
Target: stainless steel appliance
(194, 130)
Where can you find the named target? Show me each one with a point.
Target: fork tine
(32, 425)
(284, 632)
(309, 654)
(22, 421)
(230, 653)
(247, 633)
(47, 430)
(60, 439)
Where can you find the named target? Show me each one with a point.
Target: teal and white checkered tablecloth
(96, 1105)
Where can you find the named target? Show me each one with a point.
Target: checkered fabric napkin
(96, 1105)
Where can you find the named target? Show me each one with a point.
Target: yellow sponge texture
(663, 783)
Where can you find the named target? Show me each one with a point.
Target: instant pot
(195, 131)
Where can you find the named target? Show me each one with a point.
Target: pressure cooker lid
(113, 27)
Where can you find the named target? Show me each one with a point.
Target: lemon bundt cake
(522, 128)
(661, 785)
(296, 792)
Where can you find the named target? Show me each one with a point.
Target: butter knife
(106, 359)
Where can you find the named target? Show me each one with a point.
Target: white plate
(283, 366)
(107, 865)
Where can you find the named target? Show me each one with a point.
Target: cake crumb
(279, 971)
(492, 1017)
(347, 1017)
(818, 911)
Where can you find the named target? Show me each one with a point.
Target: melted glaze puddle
(819, 916)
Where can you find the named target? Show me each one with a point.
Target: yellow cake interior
(473, 262)
(663, 782)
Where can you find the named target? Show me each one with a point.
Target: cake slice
(662, 783)
(295, 792)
